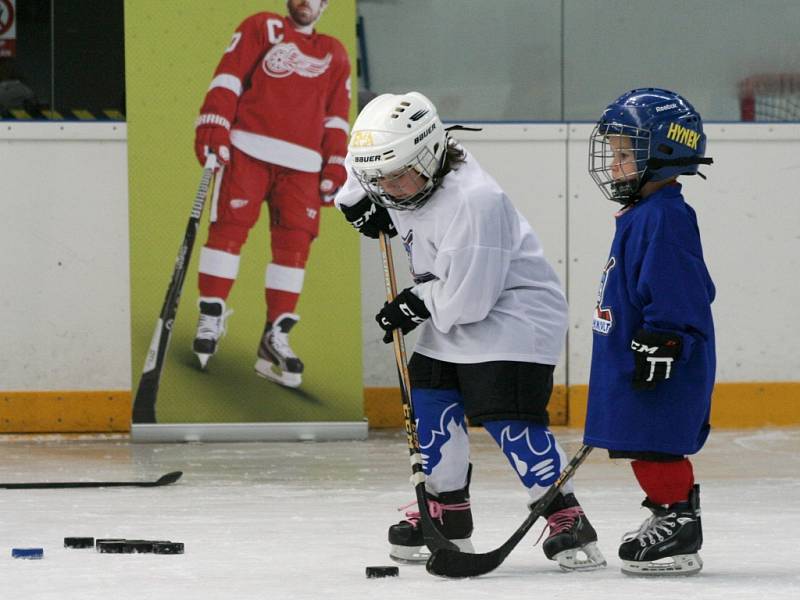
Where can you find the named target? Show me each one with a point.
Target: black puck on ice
(141, 546)
(168, 548)
(113, 547)
(373, 572)
(78, 542)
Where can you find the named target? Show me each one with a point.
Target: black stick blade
(457, 565)
(168, 478)
(144, 404)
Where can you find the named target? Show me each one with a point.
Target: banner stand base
(249, 432)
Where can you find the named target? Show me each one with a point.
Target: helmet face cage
(375, 182)
(605, 144)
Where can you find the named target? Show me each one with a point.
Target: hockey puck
(113, 547)
(141, 546)
(29, 553)
(78, 542)
(168, 548)
(374, 572)
(99, 541)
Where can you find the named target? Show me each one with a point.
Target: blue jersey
(655, 278)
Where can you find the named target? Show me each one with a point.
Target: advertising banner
(172, 50)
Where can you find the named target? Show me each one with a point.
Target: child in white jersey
(492, 314)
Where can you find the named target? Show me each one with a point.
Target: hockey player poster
(268, 325)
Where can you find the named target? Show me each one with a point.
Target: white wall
(64, 283)
(64, 276)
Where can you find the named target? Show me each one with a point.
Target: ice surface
(303, 520)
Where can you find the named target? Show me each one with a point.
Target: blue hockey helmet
(647, 134)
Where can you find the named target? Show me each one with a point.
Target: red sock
(214, 287)
(279, 302)
(665, 482)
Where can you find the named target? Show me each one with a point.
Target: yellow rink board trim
(734, 405)
(104, 411)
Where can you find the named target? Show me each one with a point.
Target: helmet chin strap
(438, 177)
(626, 192)
(629, 192)
(686, 161)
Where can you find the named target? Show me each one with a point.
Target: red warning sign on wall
(8, 28)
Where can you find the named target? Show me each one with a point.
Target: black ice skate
(210, 328)
(572, 541)
(667, 543)
(452, 515)
(276, 360)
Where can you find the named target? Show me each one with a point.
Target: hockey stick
(434, 538)
(163, 480)
(144, 405)
(446, 563)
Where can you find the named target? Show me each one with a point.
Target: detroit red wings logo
(284, 59)
(603, 319)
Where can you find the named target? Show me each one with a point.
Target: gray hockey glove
(369, 218)
(654, 355)
(405, 312)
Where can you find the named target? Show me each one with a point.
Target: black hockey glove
(405, 312)
(654, 355)
(369, 218)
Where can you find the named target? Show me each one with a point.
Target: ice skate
(450, 512)
(210, 328)
(276, 360)
(572, 541)
(667, 542)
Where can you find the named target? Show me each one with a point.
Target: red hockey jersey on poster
(284, 94)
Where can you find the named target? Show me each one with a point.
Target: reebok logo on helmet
(665, 107)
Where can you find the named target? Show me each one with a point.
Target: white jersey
(480, 270)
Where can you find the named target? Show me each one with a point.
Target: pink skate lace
(561, 521)
(436, 510)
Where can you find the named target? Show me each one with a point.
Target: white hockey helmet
(393, 134)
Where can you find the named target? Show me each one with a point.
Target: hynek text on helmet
(682, 135)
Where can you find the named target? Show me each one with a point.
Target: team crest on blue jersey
(603, 319)
(408, 243)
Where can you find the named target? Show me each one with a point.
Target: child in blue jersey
(653, 357)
